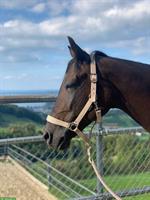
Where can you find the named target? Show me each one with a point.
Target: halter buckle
(73, 126)
(93, 78)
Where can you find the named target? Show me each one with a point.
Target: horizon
(28, 92)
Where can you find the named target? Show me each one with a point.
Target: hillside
(12, 114)
(117, 118)
(17, 121)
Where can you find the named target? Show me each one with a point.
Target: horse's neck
(132, 81)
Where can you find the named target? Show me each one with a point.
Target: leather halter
(73, 126)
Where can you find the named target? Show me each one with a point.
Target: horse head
(73, 95)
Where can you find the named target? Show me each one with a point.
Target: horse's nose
(48, 137)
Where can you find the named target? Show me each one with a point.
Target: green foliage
(118, 118)
(18, 131)
(125, 154)
(11, 113)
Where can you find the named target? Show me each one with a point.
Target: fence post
(49, 175)
(99, 154)
(5, 151)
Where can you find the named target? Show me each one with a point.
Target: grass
(116, 183)
(123, 182)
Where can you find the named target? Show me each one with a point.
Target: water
(27, 92)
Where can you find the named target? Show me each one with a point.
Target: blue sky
(33, 42)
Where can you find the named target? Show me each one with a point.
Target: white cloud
(110, 23)
(54, 7)
(17, 4)
(2, 49)
(8, 77)
(58, 6)
(15, 77)
(39, 8)
(134, 10)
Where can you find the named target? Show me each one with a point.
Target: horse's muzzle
(48, 138)
(60, 143)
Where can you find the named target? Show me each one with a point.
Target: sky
(33, 37)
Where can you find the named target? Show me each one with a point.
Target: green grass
(123, 182)
(116, 183)
(57, 194)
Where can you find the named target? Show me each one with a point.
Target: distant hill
(12, 114)
(17, 121)
(117, 118)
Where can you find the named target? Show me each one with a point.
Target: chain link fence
(122, 156)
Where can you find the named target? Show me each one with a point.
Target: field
(125, 182)
(16, 182)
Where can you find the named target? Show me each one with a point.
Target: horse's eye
(76, 82)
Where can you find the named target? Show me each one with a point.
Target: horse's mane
(99, 53)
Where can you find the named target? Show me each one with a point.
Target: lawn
(116, 183)
(124, 182)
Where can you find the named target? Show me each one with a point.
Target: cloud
(17, 4)
(15, 77)
(8, 77)
(58, 7)
(39, 8)
(2, 49)
(116, 24)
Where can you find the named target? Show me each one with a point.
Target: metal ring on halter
(73, 126)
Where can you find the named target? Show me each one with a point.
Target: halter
(73, 126)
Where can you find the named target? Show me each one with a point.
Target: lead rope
(91, 161)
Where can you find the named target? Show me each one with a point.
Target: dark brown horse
(121, 84)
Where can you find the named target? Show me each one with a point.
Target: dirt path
(15, 181)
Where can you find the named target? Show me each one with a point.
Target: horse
(121, 84)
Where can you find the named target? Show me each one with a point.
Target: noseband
(73, 126)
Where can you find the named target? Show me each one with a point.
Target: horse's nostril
(46, 135)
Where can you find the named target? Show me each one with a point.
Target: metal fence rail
(19, 140)
(27, 99)
(39, 138)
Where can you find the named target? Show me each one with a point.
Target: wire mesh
(125, 164)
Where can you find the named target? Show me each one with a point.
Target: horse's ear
(71, 51)
(76, 51)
